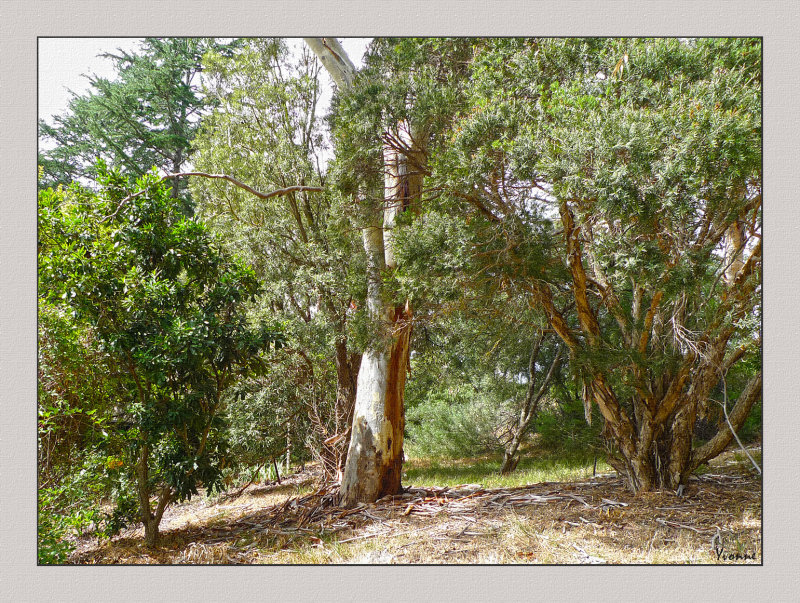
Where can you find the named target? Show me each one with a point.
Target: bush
(563, 426)
(446, 426)
(54, 547)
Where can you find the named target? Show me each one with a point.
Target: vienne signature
(719, 549)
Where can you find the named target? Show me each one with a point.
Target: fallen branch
(365, 536)
(674, 524)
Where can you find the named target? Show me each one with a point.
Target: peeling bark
(375, 456)
(650, 434)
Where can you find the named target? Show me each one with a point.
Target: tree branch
(751, 393)
(334, 59)
(586, 316)
(232, 180)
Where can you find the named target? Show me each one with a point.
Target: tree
(646, 153)
(538, 385)
(166, 306)
(267, 132)
(375, 457)
(385, 118)
(146, 117)
(478, 382)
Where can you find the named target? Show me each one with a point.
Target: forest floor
(587, 520)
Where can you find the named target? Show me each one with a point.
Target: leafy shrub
(563, 426)
(168, 308)
(54, 547)
(452, 426)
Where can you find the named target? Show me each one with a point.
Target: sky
(63, 61)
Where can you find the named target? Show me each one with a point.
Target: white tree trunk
(375, 456)
(334, 59)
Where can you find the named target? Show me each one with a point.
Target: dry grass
(590, 521)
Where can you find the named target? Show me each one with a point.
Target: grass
(535, 466)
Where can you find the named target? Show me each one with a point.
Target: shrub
(452, 426)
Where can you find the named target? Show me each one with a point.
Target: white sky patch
(63, 63)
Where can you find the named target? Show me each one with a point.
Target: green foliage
(752, 429)
(76, 502)
(165, 308)
(268, 133)
(712, 413)
(75, 392)
(653, 147)
(469, 379)
(260, 413)
(562, 426)
(153, 333)
(145, 117)
(453, 426)
(54, 548)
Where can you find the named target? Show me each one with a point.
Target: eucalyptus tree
(382, 123)
(645, 155)
(375, 454)
(266, 130)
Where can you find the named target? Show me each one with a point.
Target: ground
(589, 520)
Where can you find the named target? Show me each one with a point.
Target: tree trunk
(334, 59)
(371, 458)
(143, 491)
(668, 460)
(375, 458)
(334, 449)
(529, 406)
(375, 455)
(150, 520)
(288, 450)
(347, 369)
(664, 466)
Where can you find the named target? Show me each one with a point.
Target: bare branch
(751, 393)
(281, 191)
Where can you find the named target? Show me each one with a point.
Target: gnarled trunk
(664, 457)
(651, 437)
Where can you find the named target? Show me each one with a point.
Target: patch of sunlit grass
(544, 466)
